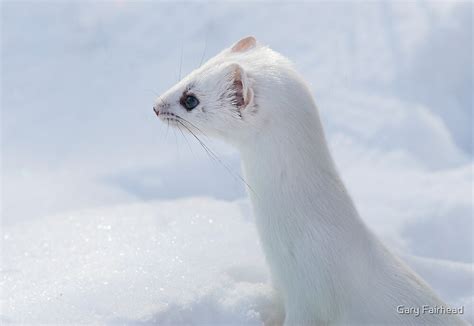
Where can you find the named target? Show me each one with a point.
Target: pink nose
(157, 111)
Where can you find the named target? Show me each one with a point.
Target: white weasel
(328, 267)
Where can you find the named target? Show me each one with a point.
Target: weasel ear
(244, 44)
(240, 87)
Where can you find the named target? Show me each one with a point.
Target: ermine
(327, 266)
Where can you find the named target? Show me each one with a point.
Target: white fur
(329, 268)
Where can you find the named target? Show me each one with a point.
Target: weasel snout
(157, 110)
(160, 108)
(163, 114)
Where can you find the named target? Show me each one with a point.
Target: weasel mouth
(169, 117)
(175, 121)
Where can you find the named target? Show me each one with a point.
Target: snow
(153, 262)
(190, 261)
(107, 217)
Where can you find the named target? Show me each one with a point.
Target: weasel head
(216, 99)
(242, 94)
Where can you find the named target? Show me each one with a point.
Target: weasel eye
(190, 102)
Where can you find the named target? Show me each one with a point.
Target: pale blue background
(79, 80)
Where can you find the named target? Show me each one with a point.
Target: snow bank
(192, 261)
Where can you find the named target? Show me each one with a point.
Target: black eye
(190, 102)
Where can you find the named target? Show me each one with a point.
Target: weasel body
(328, 267)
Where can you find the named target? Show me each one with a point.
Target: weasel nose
(157, 111)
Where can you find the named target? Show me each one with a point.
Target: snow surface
(153, 262)
(107, 217)
(192, 261)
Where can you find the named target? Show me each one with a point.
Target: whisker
(204, 51)
(152, 91)
(204, 146)
(215, 157)
(176, 140)
(163, 102)
(180, 62)
(193, 125)
(185, 139)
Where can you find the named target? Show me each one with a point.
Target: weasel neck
(309, 228)
(293, 172)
